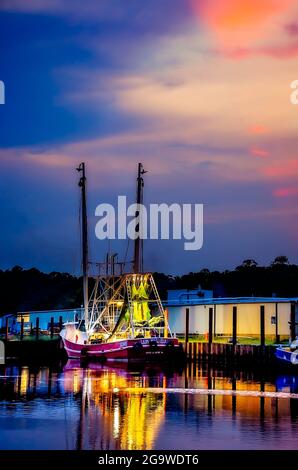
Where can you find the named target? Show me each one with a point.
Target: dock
(228, 354)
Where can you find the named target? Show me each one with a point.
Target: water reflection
(130, 421)
(70, 407)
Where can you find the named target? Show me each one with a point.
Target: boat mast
(138, 244)
(84, 223)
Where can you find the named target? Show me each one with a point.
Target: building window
(273, 320)
(24, 316)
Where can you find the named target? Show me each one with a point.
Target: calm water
(69, 407)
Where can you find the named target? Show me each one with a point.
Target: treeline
(279, 279)
(25, 290)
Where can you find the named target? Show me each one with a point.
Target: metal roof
(229, 300)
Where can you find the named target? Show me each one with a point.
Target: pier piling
(52, 327)
(220, 353)
(60, 323)
(22, 329)
(277, 337)
(234, 340)
(186, 328)
(210, 335)
(6, 329)
(37, 328)
(293, 322)
(262, 325)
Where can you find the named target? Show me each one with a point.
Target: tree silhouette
(248, 263)
(280, 260)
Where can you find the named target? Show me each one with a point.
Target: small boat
(124, 319)
(289, 353)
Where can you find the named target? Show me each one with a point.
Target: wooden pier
(36, 347)
(220, 353)
(232, 352)
(35, 350)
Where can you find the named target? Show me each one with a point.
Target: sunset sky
(197, 90)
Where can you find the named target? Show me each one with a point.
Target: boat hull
(285, 355)
(139, 349)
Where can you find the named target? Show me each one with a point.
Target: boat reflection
(131, 420)
(116, 407)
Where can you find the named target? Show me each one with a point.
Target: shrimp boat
(123, 318)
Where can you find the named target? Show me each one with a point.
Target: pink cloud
(229, 14)
(277, 52)
(286, 169)
(244, 23)
(282, 52)
(245, 18)
(285, 192)
(257, 129)
(292, 29)
(259, 152)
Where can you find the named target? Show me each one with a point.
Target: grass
(269, 341)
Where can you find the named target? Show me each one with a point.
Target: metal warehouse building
(279, 314)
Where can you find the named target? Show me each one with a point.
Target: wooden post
(214, 321)
(277, 338)
(262, 325)
(60, 323)
(22, 329)
(166, 323)
(52, 327)
(6, 329)
(293, 322)
(186, 327)
(234, 339)
(210, 336)
(37, 328)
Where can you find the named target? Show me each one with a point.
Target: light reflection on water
(70, 407)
